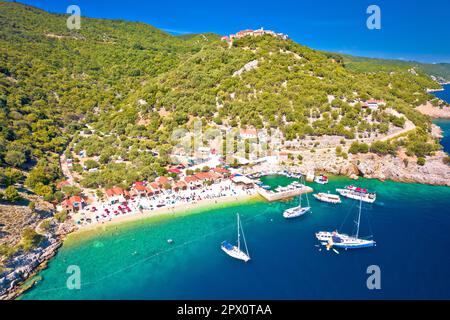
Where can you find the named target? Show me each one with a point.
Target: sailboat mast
(359, 219)
(239, 234)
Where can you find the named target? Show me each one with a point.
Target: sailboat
(235, 251)
(343, 241)
(297, 211)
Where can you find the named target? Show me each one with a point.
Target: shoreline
(88, 232)
(434, 112)
(166, 213)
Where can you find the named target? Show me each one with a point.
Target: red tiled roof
(116, 191)
(61, 184)
(71, 201)
(250, 132)
(175, 170)
(180, 184)
(203, 176)
(140, 187)
(214, 176)
(221, 170)
(190, 179)
(162, 180)
(154, 186)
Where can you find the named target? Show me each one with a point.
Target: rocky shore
(399, 168)
(428, 109)
(23, 265)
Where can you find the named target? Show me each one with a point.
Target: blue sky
(411, 30)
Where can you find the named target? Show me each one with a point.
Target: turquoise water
(410, 223)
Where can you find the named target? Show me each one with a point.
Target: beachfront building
(140, 189)
(192, 182)
(155, 188)
(73, 204)
(117, 195)
(164, 182)
(243, 181)
(179, 186)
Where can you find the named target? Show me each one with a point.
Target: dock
(272, 196)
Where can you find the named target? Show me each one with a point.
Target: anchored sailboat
(235, 251)
(297, 211)
(335, 239)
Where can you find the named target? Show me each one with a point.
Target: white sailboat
(297, 211)
(235, 251)
(343, 241)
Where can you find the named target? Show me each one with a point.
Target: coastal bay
(404, 223)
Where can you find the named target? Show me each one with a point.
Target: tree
(30, 239)
(32, 206)
(91, 164)
(61, 216)
(421, 161)
(12, 195)
(15, 158)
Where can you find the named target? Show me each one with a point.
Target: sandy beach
(177, 210)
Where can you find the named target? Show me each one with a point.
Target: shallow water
(410, 223)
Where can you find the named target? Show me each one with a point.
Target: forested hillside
(117, 90)
(441, 71)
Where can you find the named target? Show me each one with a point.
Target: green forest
(118, 89)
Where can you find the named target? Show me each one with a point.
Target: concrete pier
(272, 196)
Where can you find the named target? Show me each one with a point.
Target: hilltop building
(253, 33)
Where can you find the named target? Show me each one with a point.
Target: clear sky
(411, 30)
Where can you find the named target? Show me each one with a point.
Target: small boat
(169, 241)
(355, 193)
(328, 198)
(297, 211)
(343, 241)
(265, 187)
(235, 251)
(321, 179)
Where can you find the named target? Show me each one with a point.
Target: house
(192, 182)
(224, 172)
(73, 204)
(174, 170)
(140, 189)
(203, 176)
(164, 182)
(155, 188)
(62, 184)
(248, 133)
(243, 181)
(180, 185)
(116, 195)
(373, 105)
(253, 33)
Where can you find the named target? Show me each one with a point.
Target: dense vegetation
(440, 71)
(116, 90)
